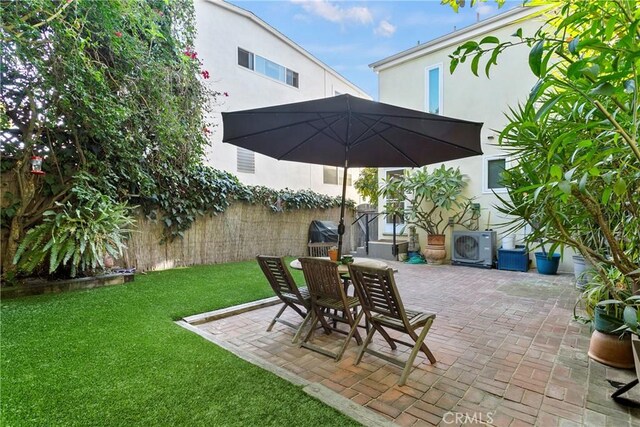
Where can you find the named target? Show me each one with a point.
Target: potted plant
(605, 301)
(582, 270)
(432, 197)
(547, 263)
(630, 322)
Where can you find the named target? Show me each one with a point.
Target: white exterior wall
(222, 28)
(468, 97)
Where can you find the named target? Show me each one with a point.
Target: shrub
(77, 236)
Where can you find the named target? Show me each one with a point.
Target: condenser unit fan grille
(467, 247)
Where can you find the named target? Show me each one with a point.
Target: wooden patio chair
(383, 308)
(329, 304)
(320, 249)
(285, 288)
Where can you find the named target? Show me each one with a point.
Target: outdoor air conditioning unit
(473, 248)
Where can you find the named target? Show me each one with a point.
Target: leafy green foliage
(285, 200)
(78, 236)
(456, 4)
(201, 190)
(611, 285)
(110, 88)
(367, 184)
(183, 196)
(577, 178)
(430, 196)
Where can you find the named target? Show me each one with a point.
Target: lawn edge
(209, 316)
(327, 396)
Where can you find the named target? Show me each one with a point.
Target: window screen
(334, 175)
(495, 167)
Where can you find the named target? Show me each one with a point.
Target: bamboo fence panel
(240, 233)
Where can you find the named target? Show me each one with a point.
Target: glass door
(399, 204)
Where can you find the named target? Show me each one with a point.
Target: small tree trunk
(27, 189)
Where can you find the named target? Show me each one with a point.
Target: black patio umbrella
(347, 131)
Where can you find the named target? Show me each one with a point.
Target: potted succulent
(435, 203)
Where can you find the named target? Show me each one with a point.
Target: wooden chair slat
(285, 288)
(327, 293)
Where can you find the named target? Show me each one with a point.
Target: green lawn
(113, 356)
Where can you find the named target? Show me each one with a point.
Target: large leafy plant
(434, 199)
(111, 88)
(575, 140)
(76, 237)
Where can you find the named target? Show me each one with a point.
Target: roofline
(459, 36)
(253, 17)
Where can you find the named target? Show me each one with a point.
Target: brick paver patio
(509, 354)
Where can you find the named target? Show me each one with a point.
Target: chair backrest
(323, 279)
(320, 249)
(278, 275)
(376, 288)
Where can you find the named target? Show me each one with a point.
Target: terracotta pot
(109, 262)
(436, 239)
(435, 251)
(611, 350)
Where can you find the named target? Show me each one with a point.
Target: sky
(350, 35)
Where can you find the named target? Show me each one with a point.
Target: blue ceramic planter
(547, 265)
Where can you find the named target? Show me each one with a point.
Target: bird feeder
(36, 165)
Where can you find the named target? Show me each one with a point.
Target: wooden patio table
(343, 269)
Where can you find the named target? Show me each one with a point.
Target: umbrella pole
(344, 197)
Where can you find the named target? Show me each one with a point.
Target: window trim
(440, 68)
(252, 61)
(339, 176)
(387, 228)
(485, 173)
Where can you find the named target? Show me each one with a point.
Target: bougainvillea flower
(205, 74)
(190, 54)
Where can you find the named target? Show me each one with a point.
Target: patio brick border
(209, 316)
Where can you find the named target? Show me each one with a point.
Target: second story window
(268, 68)
(433, 95)
(245, 59)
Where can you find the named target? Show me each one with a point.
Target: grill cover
(323, 231)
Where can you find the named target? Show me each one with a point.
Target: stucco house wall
(222, 29)
(402, 81)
